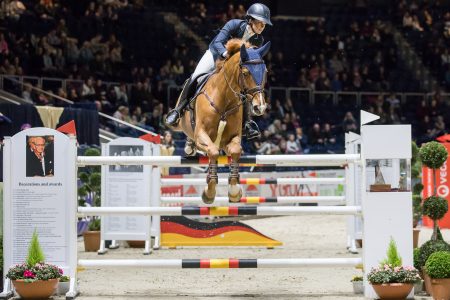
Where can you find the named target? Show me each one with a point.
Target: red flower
(28, 274)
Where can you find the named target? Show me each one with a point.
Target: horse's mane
(233, 46)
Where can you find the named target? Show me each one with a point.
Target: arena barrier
(386, 215)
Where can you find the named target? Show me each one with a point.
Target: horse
(218, 110)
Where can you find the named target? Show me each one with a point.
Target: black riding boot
(251, 130)
(175, 114)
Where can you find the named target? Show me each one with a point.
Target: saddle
(201, 80)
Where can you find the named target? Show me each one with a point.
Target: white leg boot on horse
(234, 149)
(189, 148)
(204, 142)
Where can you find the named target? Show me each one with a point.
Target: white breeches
(205, 65)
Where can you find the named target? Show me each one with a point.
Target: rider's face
(258, 26)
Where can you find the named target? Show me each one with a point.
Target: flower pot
(416, 232)
(393, 290)
(63, 288)
(39, 289)
(427, 280)
(440, 288)
(358, 287)
(91, 241)
(418, 287)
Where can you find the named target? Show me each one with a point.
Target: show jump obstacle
(49, 204)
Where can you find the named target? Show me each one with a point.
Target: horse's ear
(244, 54)
(264, 49)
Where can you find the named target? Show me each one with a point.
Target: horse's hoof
(236, 197)
(206, 199)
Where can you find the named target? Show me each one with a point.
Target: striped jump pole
(325, 160)
(255, 200)
(227, 263)
(221, 210)
(255, 181)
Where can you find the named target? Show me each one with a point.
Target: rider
(250, 29)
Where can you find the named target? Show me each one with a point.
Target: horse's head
(253, 76)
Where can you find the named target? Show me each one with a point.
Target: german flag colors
(218, 211)
(177, 231)
(228, 263)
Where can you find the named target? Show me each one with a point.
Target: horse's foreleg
(205, 143)
(234, 149)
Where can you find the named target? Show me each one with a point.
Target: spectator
(88, 91)
(4, 49)
(349, 123)
(293, 146)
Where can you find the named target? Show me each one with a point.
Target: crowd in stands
(87, 44)
(427, 26)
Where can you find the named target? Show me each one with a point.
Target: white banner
(39, 194)
(126, 186)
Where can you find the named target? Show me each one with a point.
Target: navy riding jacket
(234, 28)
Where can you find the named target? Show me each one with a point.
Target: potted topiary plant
(425, 251)
(89, 194)
(391, 280)
(92, 236)
(34, 279)
(357, 282)
(438, 268)
(433, 155)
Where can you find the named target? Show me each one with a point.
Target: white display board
(386, 214)
(126, 186)
(39, 194)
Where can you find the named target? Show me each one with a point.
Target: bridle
(244, 91)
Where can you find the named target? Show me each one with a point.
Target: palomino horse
(219, 111)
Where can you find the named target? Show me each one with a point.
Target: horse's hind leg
(234, 188)
(205, 143)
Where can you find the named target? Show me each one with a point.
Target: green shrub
(433, 155)
(94, 225)
(438, 265)
(417, 189)
(435, 207)
(35, 253)
(92, 152)
(356, 278)
(414, 152)
(393, 258)
(417, 208)
(416, 253)
(429, 248)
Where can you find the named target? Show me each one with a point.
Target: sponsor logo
(172, 191)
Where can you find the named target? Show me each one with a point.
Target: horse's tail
(220, 130)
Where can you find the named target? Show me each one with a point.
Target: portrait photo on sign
(126, 151)
(40, 156)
